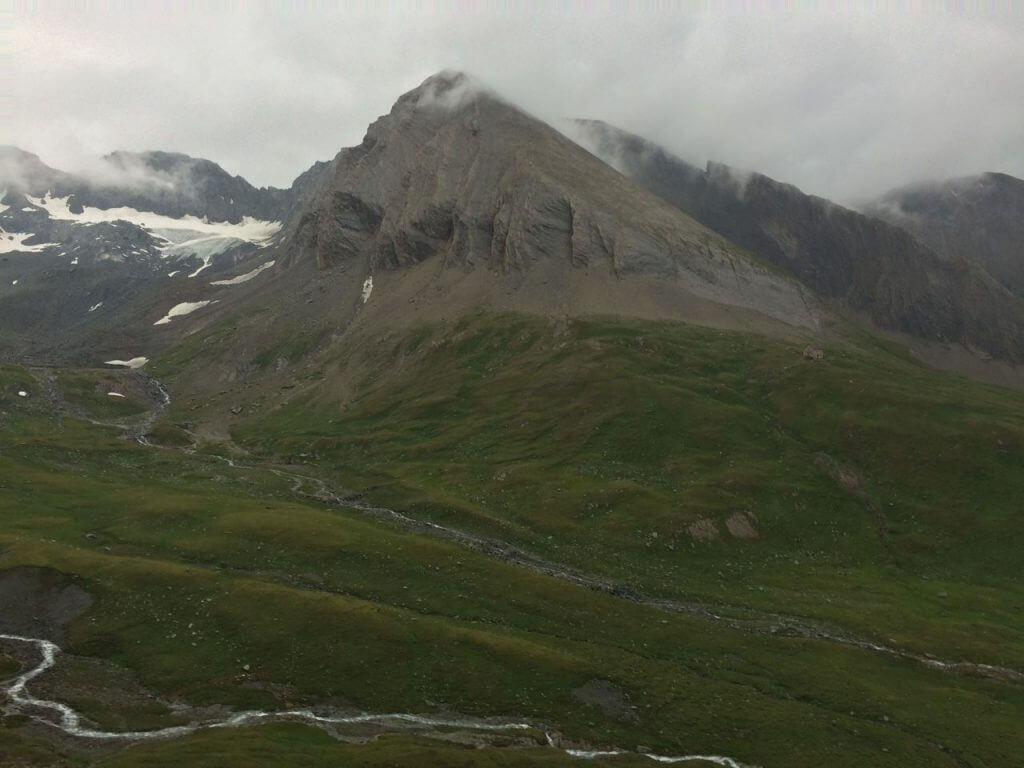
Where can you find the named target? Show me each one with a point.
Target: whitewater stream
(70, 722)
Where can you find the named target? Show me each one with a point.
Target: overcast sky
(844, 105)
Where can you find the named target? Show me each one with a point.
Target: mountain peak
(24, 171)
(447, 79)
(11, 151)
(456, 174)
(443, 93)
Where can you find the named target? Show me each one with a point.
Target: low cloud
(132, 172)
(449, 90)
(24, 172)
(845, 104)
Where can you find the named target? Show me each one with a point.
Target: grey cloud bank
(845, 105)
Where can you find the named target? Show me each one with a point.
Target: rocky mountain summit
(456, 174)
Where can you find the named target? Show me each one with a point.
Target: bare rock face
(453, 173)
(862, 262)
(979, 219)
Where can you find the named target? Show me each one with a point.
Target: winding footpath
(70, 722)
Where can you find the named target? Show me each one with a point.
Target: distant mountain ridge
(168, 183)
(453, 200)
(83, 255)
(976, 218)
(866, 263)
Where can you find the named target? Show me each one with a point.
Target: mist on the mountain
(845, 105)
(126, 172)
(133, 172)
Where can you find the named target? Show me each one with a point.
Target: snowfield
(12, 242)
(179, 310)
(183, 237)
(135, 362)
(249, 229)
(246, 277)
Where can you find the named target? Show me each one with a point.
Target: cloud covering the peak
(843, 104)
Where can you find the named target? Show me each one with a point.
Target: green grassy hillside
(863, 488)
(862, 491)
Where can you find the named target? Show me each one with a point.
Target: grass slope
(580, 441)
(881, 492)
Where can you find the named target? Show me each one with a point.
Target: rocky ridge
(979, 219)
(866, 264)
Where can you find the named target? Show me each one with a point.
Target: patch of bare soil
(612, 700)
(741, 526)
(39, 602)
(849, 479)
(704, 529)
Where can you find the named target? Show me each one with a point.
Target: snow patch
(74, 260)
(183, 244)
(367, 288)
(246, 277)
(114, 394)
(179, 310)
(14, 282)
(185, 237)
(96, 306)
(172, 274)
(13, 242)
(135, 362)
(22, 393)
(248, 229)
(28, 210)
